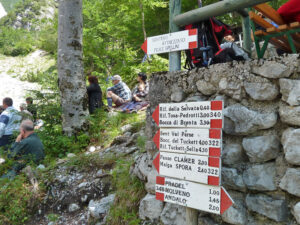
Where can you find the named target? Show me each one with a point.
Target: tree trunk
(70, 67)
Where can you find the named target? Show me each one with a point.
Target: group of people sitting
(27, 146)
(119, 94)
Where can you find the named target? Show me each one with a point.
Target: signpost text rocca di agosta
(189, 164)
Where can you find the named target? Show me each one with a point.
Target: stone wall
(261, 139)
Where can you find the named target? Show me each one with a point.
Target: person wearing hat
(119, 93)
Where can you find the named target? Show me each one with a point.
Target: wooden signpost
(171, 42)
(190, 144)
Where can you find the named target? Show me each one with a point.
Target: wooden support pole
(174, 57)
(191, 216)
(246, 33)
(216, 9)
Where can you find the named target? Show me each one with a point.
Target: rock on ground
(245, 121)
(150, 208)
(275, 209)
(98, 209)
(296, 212)
(291, 145)
(173, 214)
(291, 181)
(290, 90)
(262, 148)
(260, 177)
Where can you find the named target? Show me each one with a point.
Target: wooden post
(216, 9)
(174, 57)
(191, 216)
(246, 33)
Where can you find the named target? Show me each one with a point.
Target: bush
(15, 42)
(17, 201)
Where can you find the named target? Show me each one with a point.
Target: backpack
(210, 34)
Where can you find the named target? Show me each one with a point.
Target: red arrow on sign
(144, 46)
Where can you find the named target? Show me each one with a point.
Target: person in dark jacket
(94, 93)
(27, 148)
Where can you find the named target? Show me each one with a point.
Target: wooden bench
(284, 37)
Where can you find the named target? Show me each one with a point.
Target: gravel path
(13, 67)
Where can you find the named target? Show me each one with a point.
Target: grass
(129, 191)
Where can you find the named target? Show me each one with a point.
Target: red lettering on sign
(160, 196)
(160, 180)
(215, 133)
(216, 105)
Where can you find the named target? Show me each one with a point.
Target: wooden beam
(270, 13)
(277, 43)
(216, 9)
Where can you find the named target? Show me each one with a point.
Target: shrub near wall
(261, 147)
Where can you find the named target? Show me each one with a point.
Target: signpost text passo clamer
(190, 143)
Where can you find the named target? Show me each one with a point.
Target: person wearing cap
(119, 93)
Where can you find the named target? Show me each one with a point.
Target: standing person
(31, 107)
(119, 93)
(9, 122)
(94, 93)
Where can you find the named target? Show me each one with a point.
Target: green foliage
(129, 192)
(9, 4)
(15, 42)
(16, 201)
(113, 31)
(104, 127)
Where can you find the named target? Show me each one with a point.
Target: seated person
(27, 147)
(290, 11)
(25, 114)
(233, 51)
(139, 95)
(32, 108)
(9, 122)
(119, 93)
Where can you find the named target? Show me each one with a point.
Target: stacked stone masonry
(261, 139)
